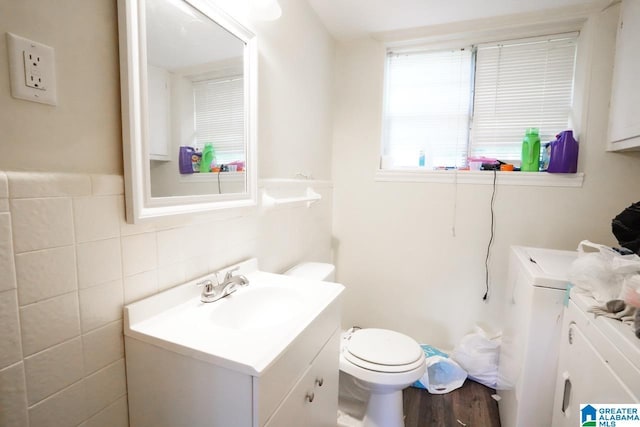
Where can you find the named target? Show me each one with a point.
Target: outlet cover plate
(43, 68)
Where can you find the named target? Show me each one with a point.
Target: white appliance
(536, 290)
(599, 362)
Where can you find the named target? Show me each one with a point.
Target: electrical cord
(219, 189)
(486, 261)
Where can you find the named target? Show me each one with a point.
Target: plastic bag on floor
(442, 375)
(478, 354)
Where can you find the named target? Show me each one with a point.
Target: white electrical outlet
(32, 70)
(32, 67)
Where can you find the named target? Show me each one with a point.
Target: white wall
(82, 133)
(395, 252)
(67, 260)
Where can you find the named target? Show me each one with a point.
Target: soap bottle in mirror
(208, 154)
(185, 159)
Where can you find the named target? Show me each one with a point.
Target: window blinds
(219, 117)
(427, 99)
(521, 84)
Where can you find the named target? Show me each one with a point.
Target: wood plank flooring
(471, 405)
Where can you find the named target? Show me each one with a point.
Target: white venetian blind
(427, 100)
(518, 85)
(219, 117)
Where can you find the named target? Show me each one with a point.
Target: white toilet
(375, 364)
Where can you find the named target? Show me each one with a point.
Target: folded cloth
(619, 310)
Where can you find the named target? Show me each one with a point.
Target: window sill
(535, 179)
(213, 176)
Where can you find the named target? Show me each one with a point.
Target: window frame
(385, 173)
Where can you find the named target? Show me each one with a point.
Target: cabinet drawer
(272, 387)
(314, 398)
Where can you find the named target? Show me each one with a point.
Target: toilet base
(384, 410)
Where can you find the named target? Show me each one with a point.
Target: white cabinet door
(624, 112)
(584, 377)
(313, 402)
(159, 99)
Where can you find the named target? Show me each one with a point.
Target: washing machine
(535, 298)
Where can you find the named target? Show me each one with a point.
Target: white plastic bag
(601, 272)
(478, 354)
(442, 375)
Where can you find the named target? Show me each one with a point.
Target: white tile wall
(103, 346)
(13, 397)
(100, 305)
(66, 408)
(98, 262)
(68, 262)
(41, 223)
(49, 322)
(105, 386)
(8, 278)
(46, 273)
(139, 253)
(140, 286)
(10, 345)
(96, 217)
(4, 186)
(114, 415)
(53, 369)
(24, 185)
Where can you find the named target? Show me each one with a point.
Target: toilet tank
(314, 270)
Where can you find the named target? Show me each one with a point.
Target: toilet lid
(383, 350)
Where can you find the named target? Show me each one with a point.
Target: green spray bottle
(208, 154)
(531, 151)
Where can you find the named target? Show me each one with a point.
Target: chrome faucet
(229, 285)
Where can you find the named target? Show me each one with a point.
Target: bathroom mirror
(188, 80)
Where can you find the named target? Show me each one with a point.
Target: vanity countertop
(246, 331)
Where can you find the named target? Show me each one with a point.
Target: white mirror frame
(139, 204)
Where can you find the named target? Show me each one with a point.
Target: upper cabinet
(624, 110)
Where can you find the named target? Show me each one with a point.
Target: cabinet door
(324, 374)
(624, 113)
(158, 87)
(584, 377)
(313, 402)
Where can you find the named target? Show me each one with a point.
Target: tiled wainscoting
(69, 262)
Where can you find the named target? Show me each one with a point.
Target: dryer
(536, 294)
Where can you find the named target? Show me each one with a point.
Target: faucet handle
(207, 283)
(229, 273)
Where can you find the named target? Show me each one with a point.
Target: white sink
(245, 331)
(258, 307)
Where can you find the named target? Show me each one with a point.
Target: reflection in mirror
(195, 97)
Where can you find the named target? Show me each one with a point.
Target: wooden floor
(471, 405)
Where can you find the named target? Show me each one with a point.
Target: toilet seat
(382, 350)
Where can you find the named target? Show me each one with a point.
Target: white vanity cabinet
(313, 400)
(624, 109)
(599, 363)
(167, 389)
(265, 355)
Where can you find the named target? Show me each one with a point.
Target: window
(219, 117)
(475, 101)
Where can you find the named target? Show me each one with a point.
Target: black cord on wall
(486, 261)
